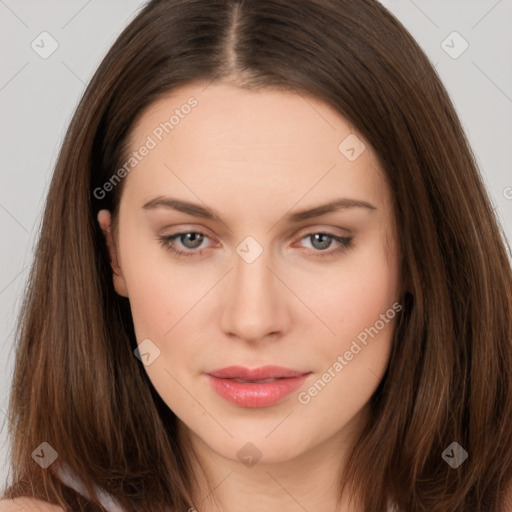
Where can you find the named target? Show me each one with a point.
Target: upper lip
(261, 373)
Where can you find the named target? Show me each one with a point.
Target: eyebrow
(197, 210)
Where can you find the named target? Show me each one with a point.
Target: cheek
(159, 300)
(165, 303)
(161, 290)
(362, 308)
(354, 361)
(172, 304)
(351, 296)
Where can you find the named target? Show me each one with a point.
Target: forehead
(250, 142)
(256, 119)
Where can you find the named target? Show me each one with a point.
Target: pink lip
(254, 394)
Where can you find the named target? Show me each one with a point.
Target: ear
(105, 220)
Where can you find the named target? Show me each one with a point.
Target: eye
(322, 241)
(192, 240)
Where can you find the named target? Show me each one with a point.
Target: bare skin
(253, 158)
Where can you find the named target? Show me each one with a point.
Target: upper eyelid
(289, 233)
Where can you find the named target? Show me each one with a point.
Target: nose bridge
(253, 305)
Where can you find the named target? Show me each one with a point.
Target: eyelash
(345, 243)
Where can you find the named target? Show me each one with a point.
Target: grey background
(38, 97)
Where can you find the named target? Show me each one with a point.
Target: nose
(254, 304)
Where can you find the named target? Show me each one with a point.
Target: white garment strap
(107, 501)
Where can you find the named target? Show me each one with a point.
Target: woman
(335, 333)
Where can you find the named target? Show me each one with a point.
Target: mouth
(258, 387)
(264, 381)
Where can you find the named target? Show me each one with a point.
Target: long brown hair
(77, 384)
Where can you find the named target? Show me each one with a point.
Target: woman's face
(259, 282)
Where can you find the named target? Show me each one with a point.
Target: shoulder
(27, 504)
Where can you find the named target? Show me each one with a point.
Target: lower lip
(246, 394)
